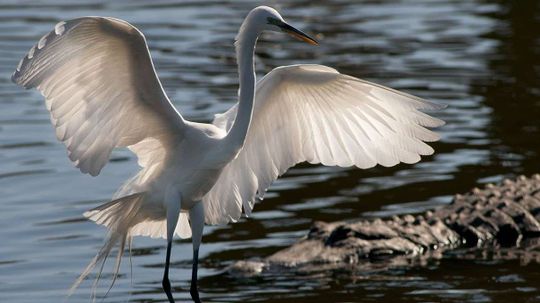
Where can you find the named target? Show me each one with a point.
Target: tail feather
(126, 217)
(119, 216)
(116, 212)
(111, 241)
(121, 247)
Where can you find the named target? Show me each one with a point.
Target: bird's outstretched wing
(101, 89)
(313, 113)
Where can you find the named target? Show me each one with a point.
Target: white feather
(313, 113)
(100, 87)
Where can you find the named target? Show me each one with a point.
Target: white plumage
(102, 92)
(313, 113)
(100, 87)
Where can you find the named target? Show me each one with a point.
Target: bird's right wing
(313, 113)
(101, 90)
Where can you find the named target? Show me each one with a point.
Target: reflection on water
(512, 90)
(480, 57)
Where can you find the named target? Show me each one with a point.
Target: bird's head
(270, 20)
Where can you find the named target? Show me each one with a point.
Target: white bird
(102, 92)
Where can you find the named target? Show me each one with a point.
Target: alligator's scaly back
(505, 217)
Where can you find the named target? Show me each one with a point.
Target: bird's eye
(273, 21)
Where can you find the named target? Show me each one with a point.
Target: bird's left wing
(101, 90)
(313, 113)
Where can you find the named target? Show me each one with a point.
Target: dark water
(482, 58)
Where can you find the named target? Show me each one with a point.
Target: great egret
(102, 92)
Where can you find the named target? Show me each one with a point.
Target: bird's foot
(167, 288)
(194, 292)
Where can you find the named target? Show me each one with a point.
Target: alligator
(502, 221)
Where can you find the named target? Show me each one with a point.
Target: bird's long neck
(245, 48)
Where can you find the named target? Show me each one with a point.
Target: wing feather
(101, 89)
(313, 113)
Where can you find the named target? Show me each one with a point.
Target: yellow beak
(298, 34)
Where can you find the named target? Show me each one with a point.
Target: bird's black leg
(194, 290)
(173, 202)
(196, 217)
(166, 283)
